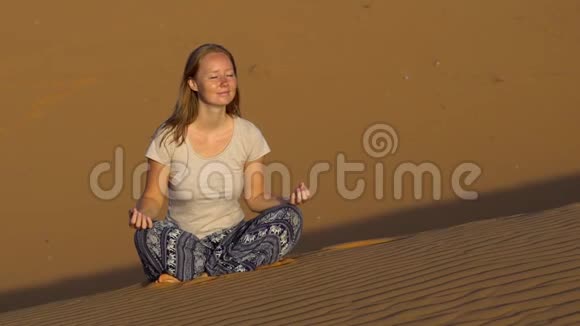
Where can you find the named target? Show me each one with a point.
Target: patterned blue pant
(261, 241)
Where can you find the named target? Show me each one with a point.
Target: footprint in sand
(357, 244)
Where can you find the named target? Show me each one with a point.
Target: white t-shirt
(204, 192)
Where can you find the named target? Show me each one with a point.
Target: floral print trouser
(261, 241)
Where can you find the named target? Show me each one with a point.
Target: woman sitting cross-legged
(202, 158)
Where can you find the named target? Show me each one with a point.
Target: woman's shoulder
(247, 126)
(164, 135)
(253, 141)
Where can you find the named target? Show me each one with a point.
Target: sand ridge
(519, 269)
(493, 83)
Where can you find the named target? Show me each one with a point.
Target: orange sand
(493, 83)
(521, 269)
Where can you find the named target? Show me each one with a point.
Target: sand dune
(518, 269)
(494, 83)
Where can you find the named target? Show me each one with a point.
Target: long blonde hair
(186, 107)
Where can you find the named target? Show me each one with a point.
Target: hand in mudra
(139, 220)
(300, 195)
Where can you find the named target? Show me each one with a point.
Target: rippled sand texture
(519, 269)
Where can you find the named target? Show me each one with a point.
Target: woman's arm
(256, 199)
(149, 205)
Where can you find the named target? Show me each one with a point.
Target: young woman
(202, 158)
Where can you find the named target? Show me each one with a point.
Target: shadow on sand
(525, 199)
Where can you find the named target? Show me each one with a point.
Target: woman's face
(215, 81)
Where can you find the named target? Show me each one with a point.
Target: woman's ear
(192, 84)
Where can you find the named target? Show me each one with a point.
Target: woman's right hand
(139, 220)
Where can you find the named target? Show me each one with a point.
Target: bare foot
(166, 278)
(282, 262)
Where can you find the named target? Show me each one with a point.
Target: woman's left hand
(300, 195)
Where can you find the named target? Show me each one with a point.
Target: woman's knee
(294, 215)
(288, 214)
(149, 238)
(139, 236)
